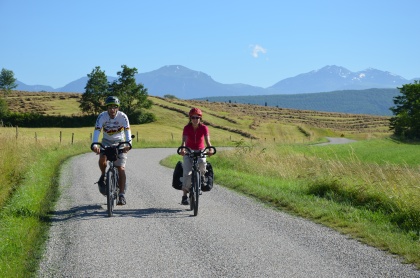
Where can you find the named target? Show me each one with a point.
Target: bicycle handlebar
(102, 147)
(198, 153)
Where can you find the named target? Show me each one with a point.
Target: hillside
(226, 119)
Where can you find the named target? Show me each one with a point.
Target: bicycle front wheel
(196, 191)
(111, 191)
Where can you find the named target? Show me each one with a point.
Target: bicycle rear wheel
(196, 191)
(111, 188)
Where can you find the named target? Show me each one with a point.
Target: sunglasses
(194, 117)
(112, 107)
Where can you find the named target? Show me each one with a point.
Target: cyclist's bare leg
(102, 163)
(121, 178)
(185, 192)
(187, 166)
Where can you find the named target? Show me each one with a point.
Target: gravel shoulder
(155, 236)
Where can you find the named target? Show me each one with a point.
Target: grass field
(366, 189)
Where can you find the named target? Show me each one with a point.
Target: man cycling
(116, 129)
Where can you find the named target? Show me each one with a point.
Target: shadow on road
(149, 213)
(88, 212)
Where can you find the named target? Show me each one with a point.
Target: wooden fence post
(60, 136)
(72, 138)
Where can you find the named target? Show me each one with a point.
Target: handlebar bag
(111, 154)
(177, 176)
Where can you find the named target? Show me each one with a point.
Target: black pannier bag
(207, 183)
(176, 179)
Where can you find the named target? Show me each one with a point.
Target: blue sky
(54, 42)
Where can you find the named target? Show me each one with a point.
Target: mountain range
(185, 83)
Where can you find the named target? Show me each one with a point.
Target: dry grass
(44, 103)
(270, 123)
(251, 121)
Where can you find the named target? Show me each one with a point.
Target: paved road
(336, 140)
(154, 236)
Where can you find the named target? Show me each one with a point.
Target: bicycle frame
(112, 179)
(195, 190)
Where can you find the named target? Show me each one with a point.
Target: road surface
(155, 236)
(336, 140)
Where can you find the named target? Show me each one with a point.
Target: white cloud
(257, 49)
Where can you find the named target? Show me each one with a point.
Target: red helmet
(195, 111)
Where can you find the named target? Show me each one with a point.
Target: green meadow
(368, 189)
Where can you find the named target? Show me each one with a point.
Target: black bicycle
(112, 186)
(195, 189)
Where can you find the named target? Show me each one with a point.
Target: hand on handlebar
(96, 149)
(208, 151)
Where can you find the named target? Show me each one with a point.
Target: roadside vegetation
(366, 189)
(372, 198)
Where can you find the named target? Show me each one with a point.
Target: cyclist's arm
(98, 127)
(184, 141)
(127, 130)
(208, 144)
(95, 138)
(96, 133)
(127, 134)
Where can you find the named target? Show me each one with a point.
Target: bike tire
(192, 200)
(196, 191)
(110, 194)
(192, 195)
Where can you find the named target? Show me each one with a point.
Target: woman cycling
(196, 136)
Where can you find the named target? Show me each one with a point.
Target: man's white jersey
(114, 129)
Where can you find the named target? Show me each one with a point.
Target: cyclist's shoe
(121, 201)
(101, 185)
(185, 201)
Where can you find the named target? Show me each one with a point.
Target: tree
(406, 122)
(133, 96)
(168, 96)
(7, 81)
(96, 91)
